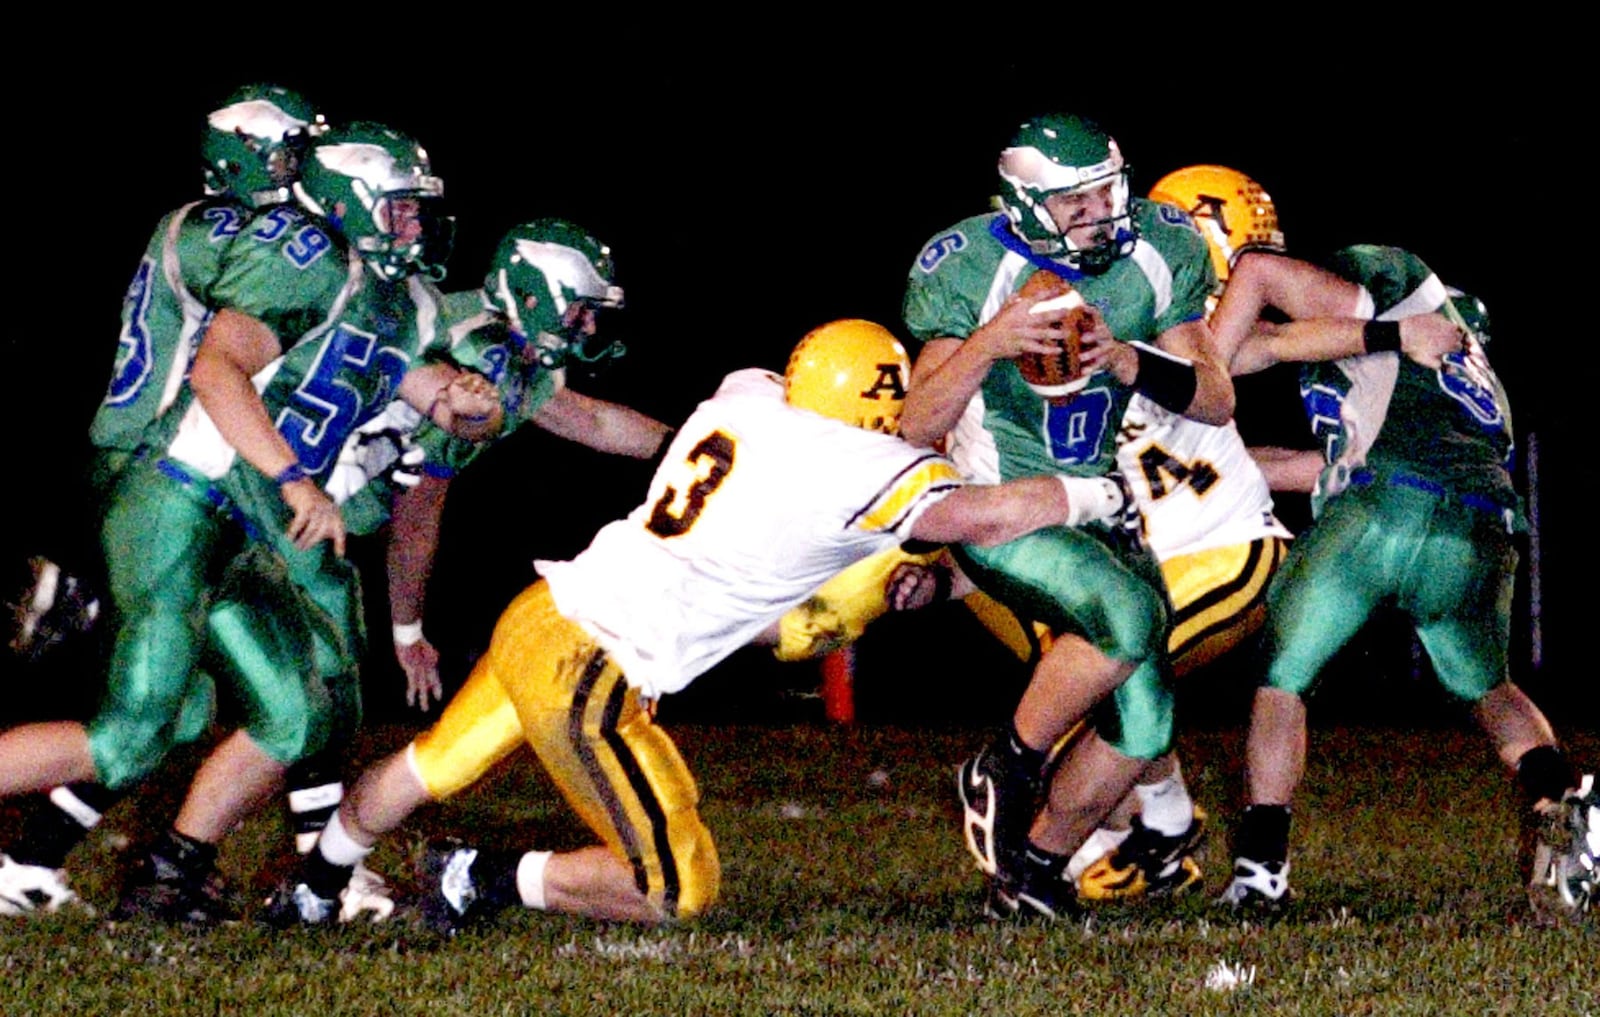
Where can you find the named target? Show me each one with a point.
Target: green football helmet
(255, 142)
(356, 176)
(1062, 153)
(1470, 312)
(541, 270)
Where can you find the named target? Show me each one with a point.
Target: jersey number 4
(707, 466)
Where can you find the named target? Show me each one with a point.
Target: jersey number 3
(708, 465)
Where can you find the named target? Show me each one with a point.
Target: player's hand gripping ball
(1057, 376)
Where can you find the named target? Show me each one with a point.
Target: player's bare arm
(1262, 279)
(236, 346)
(1288, 469)
(413, 539)
(949, 371)
(601, 425)
(1425, 338)
(989, 514)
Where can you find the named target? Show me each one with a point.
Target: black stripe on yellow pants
(1219, 598)
(612, 695)
(597, 741)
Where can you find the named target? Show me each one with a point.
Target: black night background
(749, 196)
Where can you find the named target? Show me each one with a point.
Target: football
(1058, 376)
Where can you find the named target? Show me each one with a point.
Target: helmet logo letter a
(1214, 208)
(888, 380)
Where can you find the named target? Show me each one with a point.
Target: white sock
(1165, 806)
(1099, 844)
(338, 847)
(530, 878)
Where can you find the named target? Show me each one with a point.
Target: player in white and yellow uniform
(764, 494)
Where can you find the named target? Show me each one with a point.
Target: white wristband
(1090, 498)
(409, 634)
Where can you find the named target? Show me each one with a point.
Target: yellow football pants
(1218, 599)
(545, 681)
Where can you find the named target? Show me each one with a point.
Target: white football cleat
(25, 889)
(1566, 859)
(1257, 885)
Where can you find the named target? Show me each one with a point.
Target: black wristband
(1164, 379)
(1381, 336)
(290, 474)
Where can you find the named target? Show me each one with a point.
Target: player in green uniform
(251, 150)
(1145, 273)
(536, 313)
(1415, 506)
(345, 293)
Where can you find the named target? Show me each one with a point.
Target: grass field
(846, 890)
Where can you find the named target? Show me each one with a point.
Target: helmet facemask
(377, 189)
(550, 280)
(396, 248)
(1048, 158)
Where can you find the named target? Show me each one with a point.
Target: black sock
(1263, 834)
(314, 793)
(494, 873)
(59, 822)
(179, 857)
(322, 877)
(1544, 772)
(1020, 757)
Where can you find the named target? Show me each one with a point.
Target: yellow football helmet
(851, 370)
(1232, 211)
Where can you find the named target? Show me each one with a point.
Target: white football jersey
(1196, 485)
(754, 507)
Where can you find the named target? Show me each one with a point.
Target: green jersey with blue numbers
(477, 339)
(966, 273)
(1448, 426)
(164, 314)
(348, 339)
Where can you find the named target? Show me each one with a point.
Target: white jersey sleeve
(755, 506)
(1196, 485)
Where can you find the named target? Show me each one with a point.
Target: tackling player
(770, 487)
(1145, 274)
(1416, 435)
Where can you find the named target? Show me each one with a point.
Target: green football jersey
(1449, 426)
(164, 314)
(348, 339)
(479, 339)
(966, 273)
